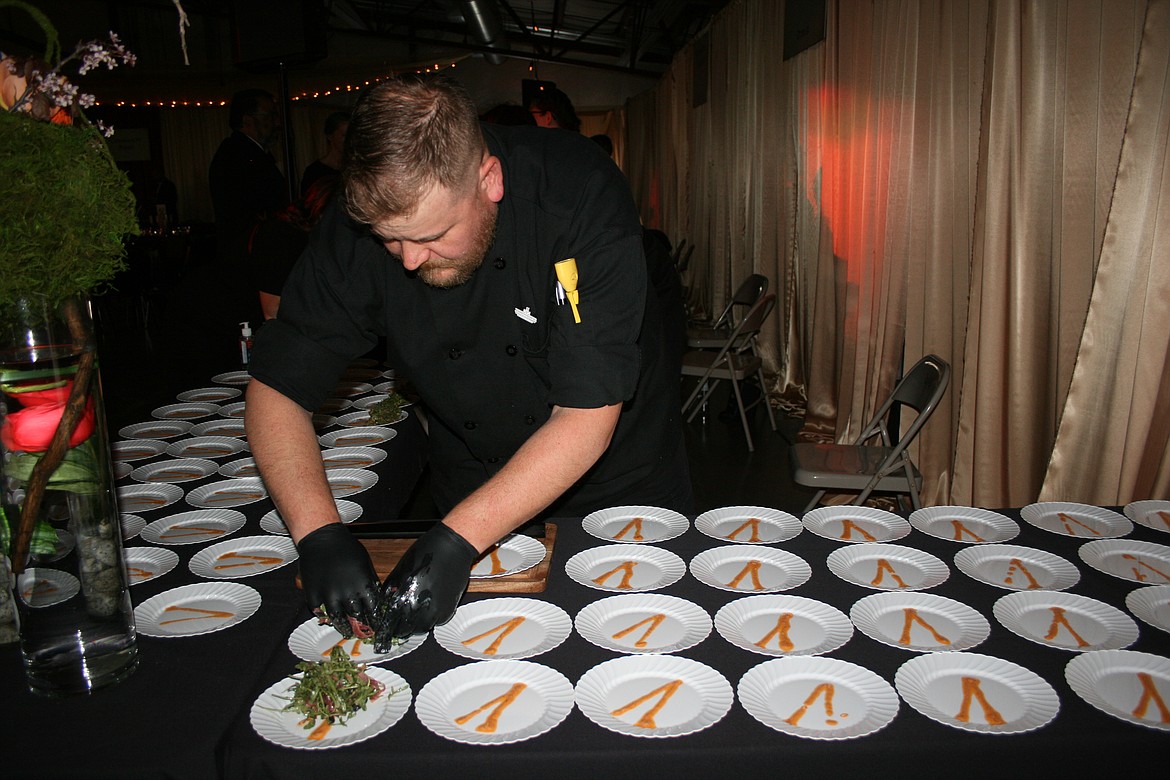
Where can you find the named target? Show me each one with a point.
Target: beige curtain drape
(939, 177)
(1112, 444)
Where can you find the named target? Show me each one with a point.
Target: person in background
(552, 108)
(508, 114)
(604, 141)
(504, 266)
(246, 184)
(276, 243)
(329, 164)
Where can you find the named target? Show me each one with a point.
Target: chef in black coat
(504, 267)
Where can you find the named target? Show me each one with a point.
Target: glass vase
(61, 525)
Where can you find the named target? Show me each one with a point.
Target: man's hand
(425, 587)
(336, 574)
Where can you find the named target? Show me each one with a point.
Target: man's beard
(452, 272)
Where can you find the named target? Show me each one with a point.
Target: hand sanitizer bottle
(245, 342)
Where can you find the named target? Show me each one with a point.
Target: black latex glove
(425, 587)
(336, 574)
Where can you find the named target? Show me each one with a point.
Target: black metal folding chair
(883, 466)
(736, 360)
(712, 336)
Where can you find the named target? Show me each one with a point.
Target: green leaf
(77, 472)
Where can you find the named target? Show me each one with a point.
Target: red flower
(32, 428)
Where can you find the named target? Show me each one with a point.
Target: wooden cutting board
(385, 554)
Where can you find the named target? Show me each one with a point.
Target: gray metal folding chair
(712, 336)
(883, 466)
(736, 360)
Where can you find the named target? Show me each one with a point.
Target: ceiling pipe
(483, 19)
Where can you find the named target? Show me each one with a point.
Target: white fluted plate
(643, 623)
(144, 564)
(856, 524)
(1013, 567)
(233, 410)
(352, 457)
(220, 427)
(174, 471)
(334, 405)
(964, 524)
(748, 524)
(1081, 521)
(273, 523)
(246, 556)
(625, 568)
(919, 622)
(136, 449)
(196, 609)
(1065, 621)
(1129, 559)
(368, 436)
(228, 493)
(352, 389)
(313, 641)
(494, 702)
(187, 412)
(635, 524)
(132, 525)
(144, 498)
(887, 567)
(817, 698)
(211, 447)
(654, 695)
(361, 419)
(40, 586)
(209, 395)
(232, 378)
(1151, 605)
(783, 625)
(504, 628)
(349, 482)
(1150, 514)
(194, 527)
(979, 693)
(241, 467)
(1123, 683)
(273, 724)
(747, 568)
(511, 555)
(157, 429)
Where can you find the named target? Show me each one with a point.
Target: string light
(306, 95)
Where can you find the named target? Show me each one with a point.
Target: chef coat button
(469, 425)
(511, 350)
(500, 263)
(455, 353)
(493, 460)
(529, 419)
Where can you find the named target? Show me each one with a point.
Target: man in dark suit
(246, 187)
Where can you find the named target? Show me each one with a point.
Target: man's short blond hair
(406, 136)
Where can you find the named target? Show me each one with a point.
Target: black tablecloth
(170, 717)
(1080, 740)
(184, 713)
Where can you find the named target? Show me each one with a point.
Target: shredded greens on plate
(388, 410)
(333, 690)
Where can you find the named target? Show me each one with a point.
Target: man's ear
(491, 178)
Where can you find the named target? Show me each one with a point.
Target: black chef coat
(492, 356)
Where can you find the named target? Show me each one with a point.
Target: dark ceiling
(354, 37)
(636, 35)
